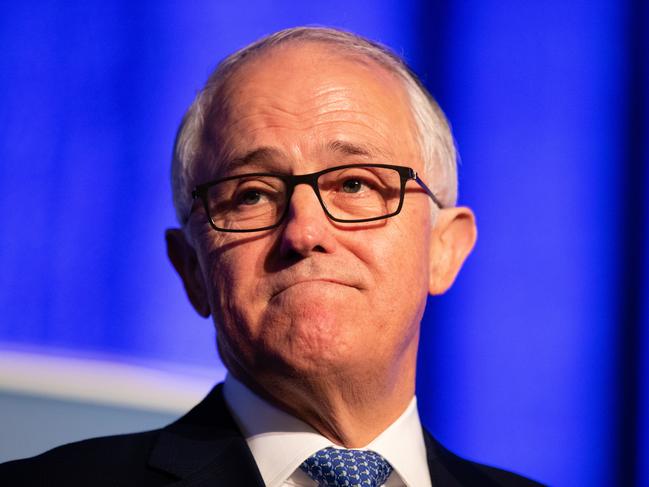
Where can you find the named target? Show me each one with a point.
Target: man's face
(313, 298)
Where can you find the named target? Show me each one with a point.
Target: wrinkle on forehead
(295, 91)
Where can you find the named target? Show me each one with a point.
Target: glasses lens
(358, 193)
(247, 202)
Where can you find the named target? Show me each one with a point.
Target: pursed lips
(327, 280)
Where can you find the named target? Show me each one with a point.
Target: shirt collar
(280, 442)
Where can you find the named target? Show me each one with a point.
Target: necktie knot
(334, 467)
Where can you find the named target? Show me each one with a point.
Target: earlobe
(184, 259)
(452, 239)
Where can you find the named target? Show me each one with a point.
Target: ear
(453, 237)
(184, 259)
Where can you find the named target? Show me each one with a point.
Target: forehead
(302, 99)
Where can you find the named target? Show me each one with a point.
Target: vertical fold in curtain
(635, 430)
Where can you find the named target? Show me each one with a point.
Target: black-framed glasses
(354, 193)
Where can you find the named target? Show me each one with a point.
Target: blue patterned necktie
(334, 467)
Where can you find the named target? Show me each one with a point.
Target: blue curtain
(546, 100)
(534, 361)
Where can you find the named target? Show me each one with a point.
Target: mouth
(322, 280)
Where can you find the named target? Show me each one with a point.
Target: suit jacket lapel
(205, 447)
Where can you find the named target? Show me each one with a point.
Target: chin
(318, 348)
(306, 335)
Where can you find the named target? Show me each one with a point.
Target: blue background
(536, 360)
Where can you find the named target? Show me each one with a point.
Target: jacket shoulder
(119, 460)
(451, 470)
(503, 477)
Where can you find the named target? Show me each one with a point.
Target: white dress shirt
(280, 443)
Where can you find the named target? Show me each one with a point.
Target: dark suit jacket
(204, 448)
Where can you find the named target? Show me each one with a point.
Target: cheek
(398, 261)
(399, 258)
(234, 268)
(236, 330)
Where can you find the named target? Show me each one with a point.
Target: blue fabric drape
(547, 105)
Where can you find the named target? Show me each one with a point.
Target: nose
(307, 228)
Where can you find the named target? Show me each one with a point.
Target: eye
(249, 197)
(352, 185)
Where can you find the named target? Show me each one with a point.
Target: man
(315, 183)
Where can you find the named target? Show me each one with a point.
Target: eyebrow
(264, 155)
(354, 149)
(255, 156)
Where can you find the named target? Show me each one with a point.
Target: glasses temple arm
(414, 176)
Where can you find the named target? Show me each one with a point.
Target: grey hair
(434, 136)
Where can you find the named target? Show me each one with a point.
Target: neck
(348, 410)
